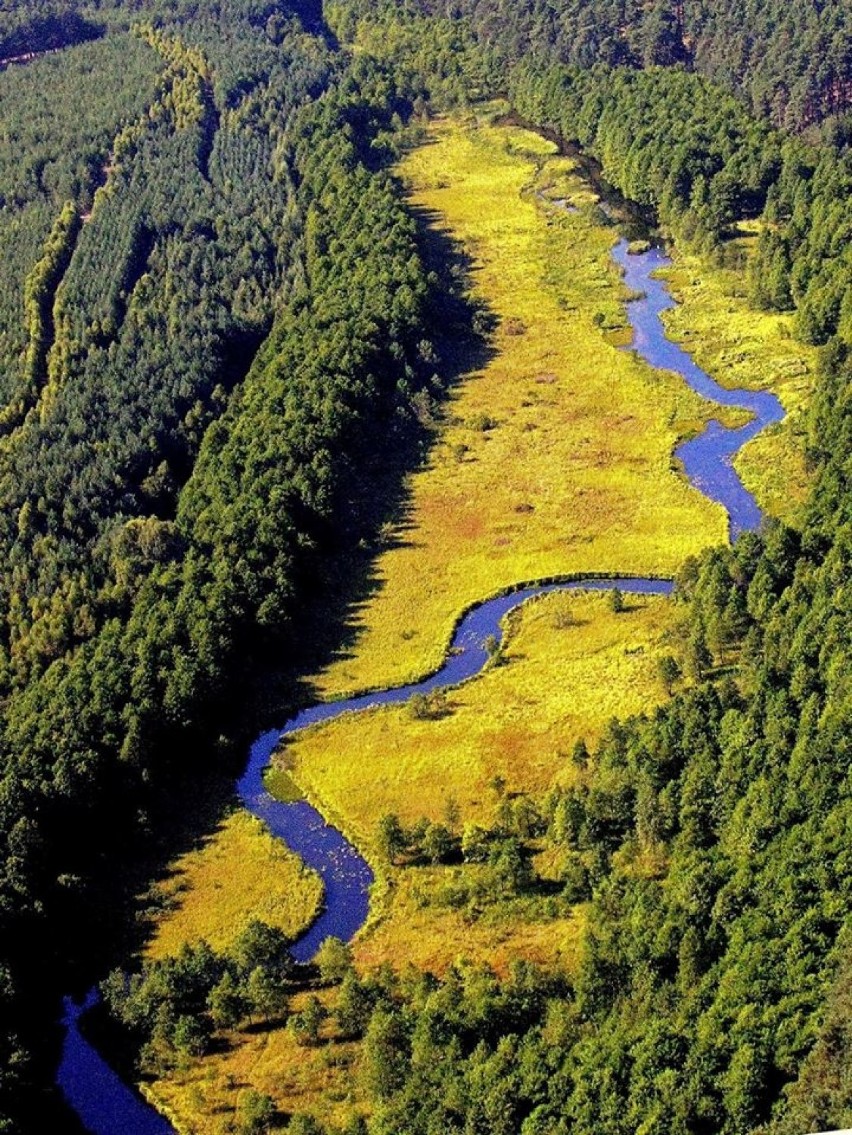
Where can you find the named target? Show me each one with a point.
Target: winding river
(707, 459)
(105, 1105)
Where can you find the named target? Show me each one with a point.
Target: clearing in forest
(556, 457)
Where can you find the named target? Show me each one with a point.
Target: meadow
(239, 872)
(569, 665)
(555, 457)
(204, 1097)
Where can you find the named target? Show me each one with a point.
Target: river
(105, 1105)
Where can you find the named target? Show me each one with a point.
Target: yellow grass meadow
(240, 872)
(556, 456)
(202, 1097)
(569, 666)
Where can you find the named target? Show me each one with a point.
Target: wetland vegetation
(245, 240)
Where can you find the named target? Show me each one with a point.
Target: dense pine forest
(213, 301)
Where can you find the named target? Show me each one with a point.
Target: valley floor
(554, 458)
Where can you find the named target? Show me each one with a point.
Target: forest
(213, 301)
(788, 61)
(146, 550)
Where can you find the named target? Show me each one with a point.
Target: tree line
(787, 61)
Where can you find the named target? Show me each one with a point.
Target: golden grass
(430, 937)
(576, 472)
(739, 346)
(569, 666)
(241, 872)
(201, 1097)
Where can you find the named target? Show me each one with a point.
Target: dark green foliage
(788, 59)
(166, 503)
(306, 1024)
(820, 1099)
(44, 25)
(391, 837)
(334, 960)
(666, 139)
(672, 140)
(170, 494)
(438, 843)
(174, 1005)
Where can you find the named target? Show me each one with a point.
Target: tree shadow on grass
(377, 514)
(380, 516)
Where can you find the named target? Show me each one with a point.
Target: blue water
(706, 458)
(103, 1102)
(108, 1107)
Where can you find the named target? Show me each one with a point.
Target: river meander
(105, 1105)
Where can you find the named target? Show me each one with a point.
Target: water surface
(707, 458)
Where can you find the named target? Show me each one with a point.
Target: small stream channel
(105, 1105)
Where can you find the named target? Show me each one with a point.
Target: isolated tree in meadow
(475, 843)
(255, 1113)
(307, 1024)
(418, 707)
(437, 843)
(497, 784)
(669, 671)
(452, 813)
(580, 754)
(266, 992)
(526, 818)
(265, 946)
(616, 600)
(512, 871)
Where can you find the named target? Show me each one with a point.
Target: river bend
(105, 1105)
